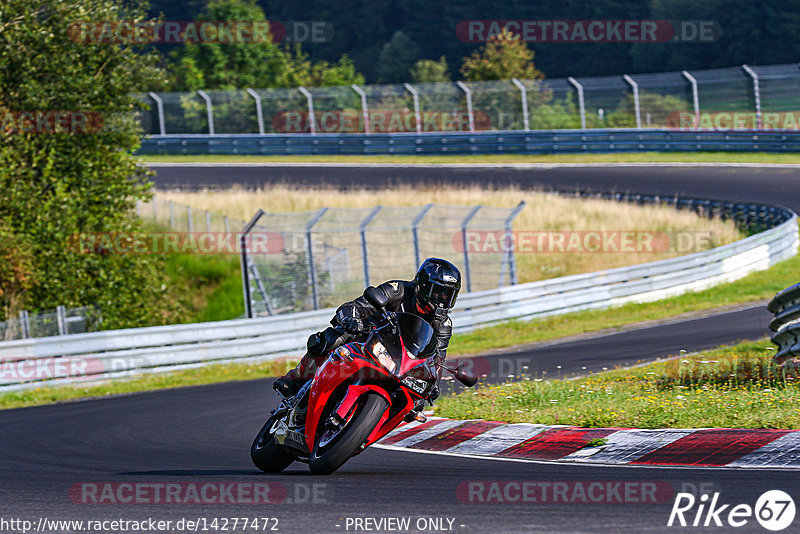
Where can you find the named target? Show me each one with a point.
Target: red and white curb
(705, 447)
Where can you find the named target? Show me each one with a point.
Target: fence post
(362, 229)
(581, 104)
(636, 110)
(695, 97)
(414, 231)
(464, 224)
(189, 221)
(209, 110)
(257, 98)
(160, 107)
(311, 119)
(756, 94)
(61, 317)
(524, 95)
(415, 96)
(470, 115)
(155, 210)
(208, 222)
(138, 208)
(171, 215)
(248, 305)
(24, 324)
(227, 224)
(511, 258)
(312, 272)
(364, 108)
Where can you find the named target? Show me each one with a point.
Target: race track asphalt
(201, 435)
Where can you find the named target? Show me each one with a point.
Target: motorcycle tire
(268, 455)
(333, 454)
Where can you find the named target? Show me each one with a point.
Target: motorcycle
(363, 391)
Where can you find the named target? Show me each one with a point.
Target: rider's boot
(318, 346)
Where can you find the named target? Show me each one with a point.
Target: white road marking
(783, 452)
(499, 439)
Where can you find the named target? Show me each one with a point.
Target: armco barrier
(118, 353)
(490, 142)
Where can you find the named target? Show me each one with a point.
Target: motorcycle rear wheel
(266, 454)
(326, 459)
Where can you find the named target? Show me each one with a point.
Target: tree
(430, 71)
(397, 57)
(55, 185)
(230, 65)
(504, 56)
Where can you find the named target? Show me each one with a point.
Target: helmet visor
(441, 295)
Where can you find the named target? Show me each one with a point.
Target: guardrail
(489, 142)
(111, 354)
(786, 324)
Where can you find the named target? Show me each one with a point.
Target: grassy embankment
(735, 386)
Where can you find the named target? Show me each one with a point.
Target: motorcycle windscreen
(419, 338)
(417, 335)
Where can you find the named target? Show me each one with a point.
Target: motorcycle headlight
(382, 354)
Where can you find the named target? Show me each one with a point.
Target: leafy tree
(230, 65)
(430, 71)
(54, 185)
(397, 57)
(504, 56)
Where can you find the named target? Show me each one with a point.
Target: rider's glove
(353, 325)
(434, 394)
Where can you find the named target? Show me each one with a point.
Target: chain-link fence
(58, 322)
(312, 260)
(183, 218)
(761, 96)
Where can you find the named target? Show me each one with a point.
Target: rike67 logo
(774, 510)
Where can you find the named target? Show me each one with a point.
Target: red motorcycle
(363, 391)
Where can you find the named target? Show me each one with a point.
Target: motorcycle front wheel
(265, 453)
(334, 448)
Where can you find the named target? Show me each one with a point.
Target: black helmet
(437, 284)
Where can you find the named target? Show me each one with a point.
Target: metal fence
(312, 260)
(762, 96)
(58, 322)
(184, 218)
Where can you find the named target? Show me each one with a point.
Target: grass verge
(733, 387)
(643, 157)
(208, 287)
(182, 378)
(754, 287)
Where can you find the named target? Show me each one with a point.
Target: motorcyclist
(430, 295)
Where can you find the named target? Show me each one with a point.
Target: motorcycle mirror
(376, 297)
(465, 377)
